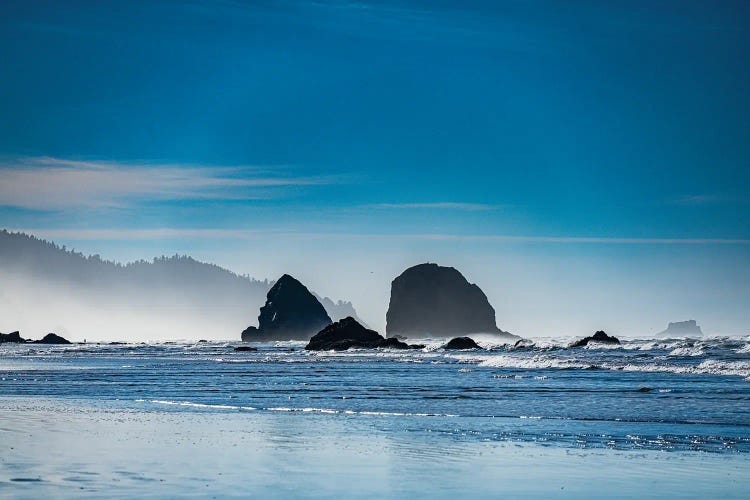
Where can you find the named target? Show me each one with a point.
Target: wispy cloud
(46, 183)
(707, 199)
(440, 205)
(239, 233)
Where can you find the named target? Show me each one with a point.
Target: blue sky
(601, 141)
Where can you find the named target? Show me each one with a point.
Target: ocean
(648, 418)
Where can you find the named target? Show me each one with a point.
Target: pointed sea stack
(291, 312)
(428, 300)
(52, 338)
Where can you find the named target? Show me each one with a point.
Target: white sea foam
(535, 362)
(196, 405)
(687, 351)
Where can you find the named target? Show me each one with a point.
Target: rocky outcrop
(12, 337)
(348, 333)
(291, 312)
(52, 338)
(428, 300)
(687, 328)
(600, 337)
(461, 343)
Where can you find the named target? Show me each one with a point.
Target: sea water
(646, 418)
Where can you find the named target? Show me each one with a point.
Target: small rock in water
(245, 348)
(348, 333)
(599, 337)
(461, 343)
(523, 343)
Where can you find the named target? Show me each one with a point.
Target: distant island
(687, 328)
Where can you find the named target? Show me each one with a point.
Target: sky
(586, 163)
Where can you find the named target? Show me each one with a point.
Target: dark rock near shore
(245, 348)
(523, 344)
(343, 334)
(599, 337)
(461, 343)
(52, 338)
(291, 312)
(12, 337)
(348, 333)
(428, 300)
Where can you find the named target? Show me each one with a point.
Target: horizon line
(208, 233)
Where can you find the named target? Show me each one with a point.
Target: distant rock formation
(461, 343)
(428, 300)
(687, 328)
(12, 337)
(291, 312)
(348, 333)
(600, 337)
(52, 338)
(339, 309)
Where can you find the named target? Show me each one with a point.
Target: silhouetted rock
(291, 312)
(14, 337)
(52, 338)
(342, 335)
(428, 300)
(523, 344)
(599, 337)
(245, 348)
(461, 343)
(393, 344)
(348, 333)
(250, 333)
(687, 328)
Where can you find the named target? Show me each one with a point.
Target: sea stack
(12, 337)
(429, 300)
(291, 312)
(687, 328)
(52, 338)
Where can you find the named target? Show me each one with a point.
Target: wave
(543, 362)
(292, 409)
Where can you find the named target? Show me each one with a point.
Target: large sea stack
(291, 312)
(428, 300)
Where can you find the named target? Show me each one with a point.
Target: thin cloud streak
(707, 199)
(441, 205)
(45, 183)
(207, 233)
